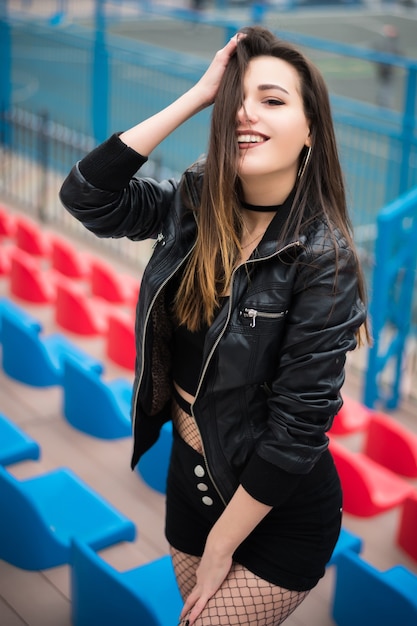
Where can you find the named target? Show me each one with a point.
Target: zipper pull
(160, 238)
(252, 313)
(266, 388)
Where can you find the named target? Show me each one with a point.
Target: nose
(245, 115)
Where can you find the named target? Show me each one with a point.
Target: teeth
(250, 139)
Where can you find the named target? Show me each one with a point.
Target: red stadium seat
(7, 223)
(80, 313)
(28, 281)
(31, 238)
(368, 488)
(392, 445)
(120, 344)
(111, 285)
(65, 258)
(5, 263)
(407, 529)
(352, 417)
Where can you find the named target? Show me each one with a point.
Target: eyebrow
(269, 86)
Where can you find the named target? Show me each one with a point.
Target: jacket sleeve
(321, 326)
(102, 192)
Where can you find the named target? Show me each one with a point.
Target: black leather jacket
(273, 359)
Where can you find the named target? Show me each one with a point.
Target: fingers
(210, 575)
(223, 55)
(231, 45)
(233, 41)
(193, 606)
(189, 603)
(238, 37)
(196, 610)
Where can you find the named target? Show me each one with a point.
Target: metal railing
(378, 148)
(33, 165)
(394, 283)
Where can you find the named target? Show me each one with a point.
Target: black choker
(264, 209)
(273, 207)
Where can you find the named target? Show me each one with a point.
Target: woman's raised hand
(149, 133)
(208, 84)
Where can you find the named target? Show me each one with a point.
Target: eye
(273, 102)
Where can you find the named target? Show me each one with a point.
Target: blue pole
(100, 78)
(392, 296)
(408, 125)
(5, 74)
(377, 311)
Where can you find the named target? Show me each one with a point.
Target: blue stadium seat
(32, 358)
(7, 306)
(347, 541)
(94, 406)
(145, 596)
(364, 595)
(41, 515)
(15, 444)
(153, 465)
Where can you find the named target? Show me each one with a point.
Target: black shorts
(290, 547)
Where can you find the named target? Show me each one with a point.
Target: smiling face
(271, 128)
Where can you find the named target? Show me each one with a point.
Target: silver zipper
(159, 239)
(254, 313)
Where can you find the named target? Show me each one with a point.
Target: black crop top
(187, 347)
(187, 357)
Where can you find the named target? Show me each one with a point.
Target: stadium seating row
(55, 518)
(91, 404)
(40, 529)
(65, 259)
(89, 297)
(387, 449)
(373, 480)
(368, 478)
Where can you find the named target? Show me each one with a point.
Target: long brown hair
(320, 190)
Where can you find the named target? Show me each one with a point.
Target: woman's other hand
(211, 573)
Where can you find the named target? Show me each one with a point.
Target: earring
(304, 164)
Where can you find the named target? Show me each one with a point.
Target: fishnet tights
(186, 427)
(244, 599)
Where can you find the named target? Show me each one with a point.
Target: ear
(307, 142)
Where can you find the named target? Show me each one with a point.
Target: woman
(248, 305)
